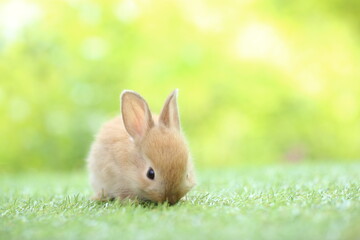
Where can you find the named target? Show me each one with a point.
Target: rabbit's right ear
(136, 114)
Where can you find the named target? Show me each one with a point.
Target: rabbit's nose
(172, 199)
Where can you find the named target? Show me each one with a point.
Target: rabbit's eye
(150, 174)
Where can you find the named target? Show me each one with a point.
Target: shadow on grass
(146, 204)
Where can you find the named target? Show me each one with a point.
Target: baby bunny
(141, 156)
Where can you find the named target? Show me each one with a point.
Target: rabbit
(141, 156)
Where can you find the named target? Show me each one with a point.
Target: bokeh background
(260, 82)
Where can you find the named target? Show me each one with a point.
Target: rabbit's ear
(170, 115)
(136, 114)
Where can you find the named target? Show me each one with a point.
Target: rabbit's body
(126, 149)
(110, 155)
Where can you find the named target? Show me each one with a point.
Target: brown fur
(126, 147)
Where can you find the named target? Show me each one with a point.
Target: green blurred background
(260, 81)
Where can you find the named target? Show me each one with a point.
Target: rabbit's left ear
(136, 115)
(169, 116)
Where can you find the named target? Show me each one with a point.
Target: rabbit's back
(111, 158)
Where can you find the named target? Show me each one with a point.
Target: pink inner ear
(139, 126)
(139, 117)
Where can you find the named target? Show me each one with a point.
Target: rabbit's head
(164, 170)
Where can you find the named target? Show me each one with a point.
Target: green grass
(277, 202)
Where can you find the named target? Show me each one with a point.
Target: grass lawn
(274, 202)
